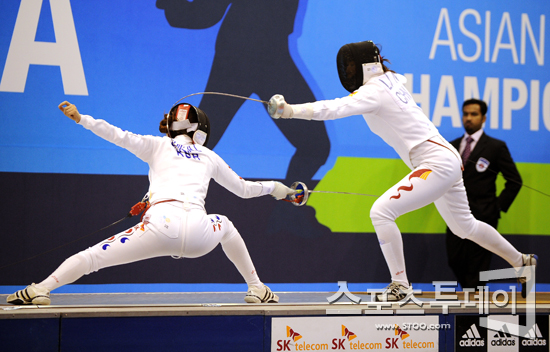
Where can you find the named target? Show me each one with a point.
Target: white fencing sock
(236, 251)
(391, 245)
(69, 271)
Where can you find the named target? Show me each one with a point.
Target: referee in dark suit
(484, 158)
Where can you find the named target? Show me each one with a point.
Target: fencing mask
(188, 119)
(353, 60)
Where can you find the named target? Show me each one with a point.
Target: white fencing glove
(278, 107)
(281, 191)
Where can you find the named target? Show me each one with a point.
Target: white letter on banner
(491, 97)
(422, 98)
(446, 88)
(471, 88)
(546, 106)
(24, 51)
(487, 35)
(535, 89)
(470, 35)
(526, 27)
(499, 45)
(443, 17)
(508, 104)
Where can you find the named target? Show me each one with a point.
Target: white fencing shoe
(30, 295)
(394, 292)
(526, 282)
(263, 294)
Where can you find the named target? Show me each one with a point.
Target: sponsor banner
(470, 336)
(354, 333)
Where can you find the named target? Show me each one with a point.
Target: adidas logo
(534, 337)
(503, 338)
(472, 338)
(502, 334)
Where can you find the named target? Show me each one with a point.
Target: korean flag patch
(482, 165)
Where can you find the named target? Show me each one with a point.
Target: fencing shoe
(30, 295)
(263, 294)
(526, 282)
(393, 293)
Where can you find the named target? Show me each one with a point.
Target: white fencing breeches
(168, 229)
(436, 178)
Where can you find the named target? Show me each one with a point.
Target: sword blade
(355, 194)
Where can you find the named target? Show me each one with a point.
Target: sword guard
(301, 195)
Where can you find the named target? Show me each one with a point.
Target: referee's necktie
(467, 150)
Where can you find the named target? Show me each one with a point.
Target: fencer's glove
(278, 107)
(281, 191)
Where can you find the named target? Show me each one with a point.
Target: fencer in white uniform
(379, 95)
(176, 223)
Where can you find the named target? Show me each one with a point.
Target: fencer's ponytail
(163, 127)
(384, 67)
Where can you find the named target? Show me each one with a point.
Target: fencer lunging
(176, 223)
(389, 110)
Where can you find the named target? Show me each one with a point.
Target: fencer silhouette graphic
(252, 56)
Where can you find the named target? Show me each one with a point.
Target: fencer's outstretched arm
(70, 111)
(144, 148)
(363, 101)
(141, 146)
(228, 179)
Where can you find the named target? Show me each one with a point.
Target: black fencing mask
(190, 120)
(350, 60)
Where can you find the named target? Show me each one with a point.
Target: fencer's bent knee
(379, 214)
(90, 260)
(80, 263)
(230, 232)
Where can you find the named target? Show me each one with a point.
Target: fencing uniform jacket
(188, 183)
(387, 107)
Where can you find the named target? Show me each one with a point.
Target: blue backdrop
(135, 65)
